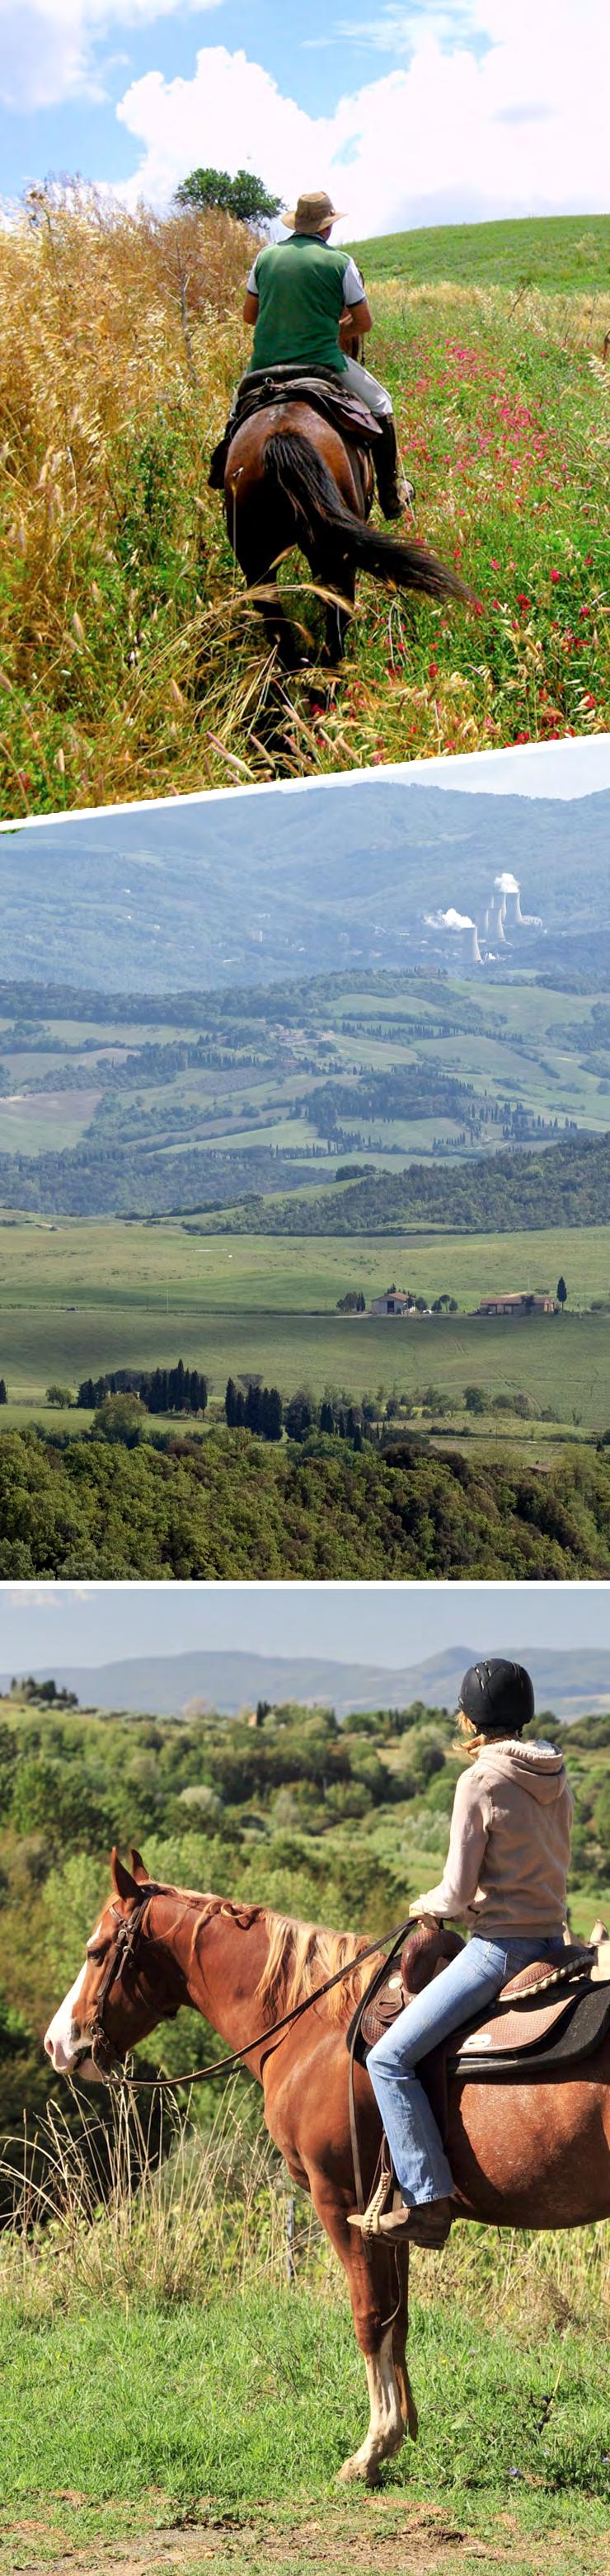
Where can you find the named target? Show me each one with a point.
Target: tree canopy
(245, 196)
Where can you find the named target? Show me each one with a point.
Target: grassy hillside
(560, 253)
(132, 662)
(81, 1299)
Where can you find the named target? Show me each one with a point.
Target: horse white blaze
(61, 2040)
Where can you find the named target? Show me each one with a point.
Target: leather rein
(124, 1952)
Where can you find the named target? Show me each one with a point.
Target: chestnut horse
(292, 479)
(522, 2155)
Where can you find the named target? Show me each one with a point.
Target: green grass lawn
(116, 2422)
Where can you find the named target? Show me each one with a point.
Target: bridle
(123, 1955)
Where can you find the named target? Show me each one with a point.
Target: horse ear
(124, 1885)
(140, 1871)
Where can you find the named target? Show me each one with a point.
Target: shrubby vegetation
(234, 1505)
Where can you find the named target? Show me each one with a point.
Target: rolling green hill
(564, 254)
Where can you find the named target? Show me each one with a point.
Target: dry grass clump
(126, 2210)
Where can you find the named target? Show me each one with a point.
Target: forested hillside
(237, 1506)
(567, 1184)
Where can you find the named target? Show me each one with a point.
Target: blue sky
(430, 111)
(392, 1624)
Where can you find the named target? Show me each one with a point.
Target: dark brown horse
(522, 2154)
(292, 479)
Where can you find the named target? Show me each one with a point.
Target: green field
(85, 1298)
(562, 254)
(233, 2418)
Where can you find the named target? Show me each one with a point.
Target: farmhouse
(519, 1301)
(395, 1301)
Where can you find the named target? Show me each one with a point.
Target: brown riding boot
(429, 2223)
(396, 495)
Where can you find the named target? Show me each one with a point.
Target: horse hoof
(358, 2472)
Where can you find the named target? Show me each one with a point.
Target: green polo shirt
(302, 285)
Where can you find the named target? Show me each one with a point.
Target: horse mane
(300, 1956)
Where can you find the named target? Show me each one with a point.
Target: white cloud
(515, 124)
(50, 48)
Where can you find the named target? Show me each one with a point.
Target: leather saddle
(518, 2031)
(323, 387)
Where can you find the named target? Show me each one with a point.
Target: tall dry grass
(121, 2216)
(132, 663)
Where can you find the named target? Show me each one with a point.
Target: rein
(128, 1935)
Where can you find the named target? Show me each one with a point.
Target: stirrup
(385, 2196)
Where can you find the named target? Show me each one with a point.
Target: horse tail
(291, 461)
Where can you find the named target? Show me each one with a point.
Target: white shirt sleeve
(353, 287)
(252, 286)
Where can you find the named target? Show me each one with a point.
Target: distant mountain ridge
(572, 1684)
(278, 883)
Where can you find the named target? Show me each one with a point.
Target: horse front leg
(376, 2291)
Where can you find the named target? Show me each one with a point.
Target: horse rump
(292, 462)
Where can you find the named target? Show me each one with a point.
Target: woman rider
(506, 1872)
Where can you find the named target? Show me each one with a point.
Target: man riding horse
(308, 431)
(306, 303)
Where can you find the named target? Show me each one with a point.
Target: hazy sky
(556, 769)
(391, 1624)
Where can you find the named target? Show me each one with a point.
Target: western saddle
(519, 2029)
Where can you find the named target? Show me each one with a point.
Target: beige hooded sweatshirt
(509, 1846)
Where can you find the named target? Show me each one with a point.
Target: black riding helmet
(497, 1696)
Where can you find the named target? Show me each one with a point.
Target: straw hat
(313, 213)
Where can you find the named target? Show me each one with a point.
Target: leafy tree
(120, 1417)
(475, 1399)
(245, 196)
(59, 1395)
(562, 1292)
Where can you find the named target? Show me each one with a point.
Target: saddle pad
(519, 2027)
(327, 393)
(575, 2036)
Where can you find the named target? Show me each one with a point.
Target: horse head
(110, 2006)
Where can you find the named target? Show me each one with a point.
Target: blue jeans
(455, 1996)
